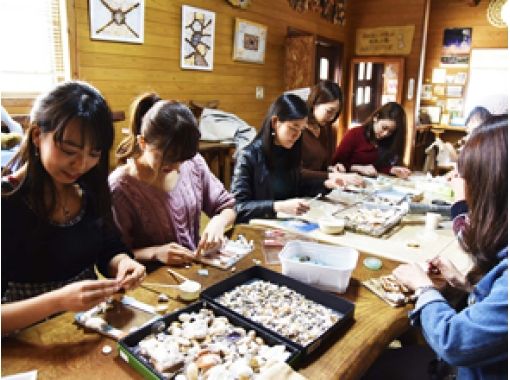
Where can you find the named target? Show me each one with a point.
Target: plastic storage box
(324, 266)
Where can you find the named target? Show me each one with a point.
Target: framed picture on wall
(454, 91)
(197, 38)
(120, 20)
(249, 41)
(456, 46)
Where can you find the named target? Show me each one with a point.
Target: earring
(272, 133)
(36, 151)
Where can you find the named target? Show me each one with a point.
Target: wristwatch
(422, 289)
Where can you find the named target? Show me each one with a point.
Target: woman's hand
(400, 171)
(337, 168)
(448, 271)
(293, 206)
(83, 295)
(130, 273)
(213, 235)
(174, 254)
(336, 180)
(367, 170)
(412, 276)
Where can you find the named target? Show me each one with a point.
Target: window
(324, 69)
(488, 80)
(34, 46)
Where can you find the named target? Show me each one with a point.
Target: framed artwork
(438, 90)
(460, 78)
(455, 104)
(454, 91)
(456, 46)
(197, 38)
(430, 114)
(117, 20)
(426, 92)
(249, 41)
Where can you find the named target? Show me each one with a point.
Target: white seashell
(241, 370)
(191, 371)
(95, 323)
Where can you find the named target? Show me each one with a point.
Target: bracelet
(423, 289)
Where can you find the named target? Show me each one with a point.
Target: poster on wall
(456, 46)
(388, 40)
(117, 20)
(249, 41)
(197, 38)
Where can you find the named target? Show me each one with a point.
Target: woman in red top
(377, 145)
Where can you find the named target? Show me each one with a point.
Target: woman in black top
(56, 212)
(267, 176)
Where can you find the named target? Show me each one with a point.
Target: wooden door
(299, 69)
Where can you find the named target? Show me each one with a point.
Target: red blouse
(356, 149)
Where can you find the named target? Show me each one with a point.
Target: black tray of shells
(204, 340)
(300, 315)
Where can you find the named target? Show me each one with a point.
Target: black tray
(144, 367)
(343, 307)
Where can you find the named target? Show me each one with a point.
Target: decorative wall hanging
(244, 4)
(197, 38)
(117, 20)
(386, 40)
(495, 13)
(456, 46)
(249, 41)
(331, 10)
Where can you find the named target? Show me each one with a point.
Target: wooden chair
(422, 139)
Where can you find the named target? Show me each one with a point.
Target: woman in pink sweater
(377, 145)
(163, 186)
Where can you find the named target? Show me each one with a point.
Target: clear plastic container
(324, 266)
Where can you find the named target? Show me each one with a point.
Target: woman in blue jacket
(475, 339)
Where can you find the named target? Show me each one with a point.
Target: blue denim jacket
(476, 338)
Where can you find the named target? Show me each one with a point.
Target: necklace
(66, 212)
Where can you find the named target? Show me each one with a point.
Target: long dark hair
(324, 92)
(392, 147)
(483, 163)
(52, 112)
(168, 125)
(287, 107)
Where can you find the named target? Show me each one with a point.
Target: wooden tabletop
(59, 349)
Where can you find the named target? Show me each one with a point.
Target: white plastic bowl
(335, 268)
(331, 226)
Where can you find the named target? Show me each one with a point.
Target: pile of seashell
(371, 220)
(202, 346)
(281, 309)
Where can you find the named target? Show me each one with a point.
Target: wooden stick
(160, 285)
(177, 274)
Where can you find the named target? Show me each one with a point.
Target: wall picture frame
(120, 20)
(197, 38)
(249, 41)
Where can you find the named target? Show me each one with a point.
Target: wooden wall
(122, 71)
(375, 13)
(457, 14)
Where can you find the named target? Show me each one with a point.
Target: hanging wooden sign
(387, 40)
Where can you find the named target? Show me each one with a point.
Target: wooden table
(218, 156)
(59, 349)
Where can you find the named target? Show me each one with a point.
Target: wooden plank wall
(122, 71)
(375, 13)
(457, 14)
